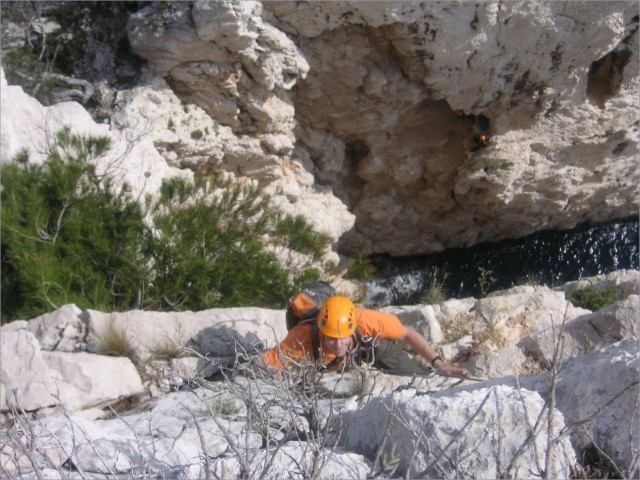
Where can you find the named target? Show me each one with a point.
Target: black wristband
(435, 359)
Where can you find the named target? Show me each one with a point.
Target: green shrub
(360, 269)
(69, 236)
(594, 299)
(295, 233)
(485, 280)
(207, 250)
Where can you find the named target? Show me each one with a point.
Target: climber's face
(338, 346)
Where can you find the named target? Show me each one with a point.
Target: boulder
(371, 383)
(618, 320)
(48, 443)
(481, 433)
(95, 380)
(29, 126)
(598, 395)
(458, 349)
(578, 337)
(175, 431)
(33, 379)
(25, 381)
(586, 333)
(420, 317)
(627, 282)
(512, 314)
(499, 363)
(61, 330)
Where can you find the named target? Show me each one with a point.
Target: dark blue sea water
(548, 258)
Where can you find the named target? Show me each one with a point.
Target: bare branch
(424, 472)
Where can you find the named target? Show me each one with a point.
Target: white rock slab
(473, 433)
(220, 332)
(95, 379)
(25, 381)
(59, 330)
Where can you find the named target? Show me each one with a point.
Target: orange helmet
(337, 317)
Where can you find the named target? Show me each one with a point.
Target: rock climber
(481, 141)
(343, 334)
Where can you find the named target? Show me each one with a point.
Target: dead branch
(424, 472)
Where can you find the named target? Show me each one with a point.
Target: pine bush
(70, 236)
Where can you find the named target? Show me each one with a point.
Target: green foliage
(22, 156)
(69, 236)
(360, 269)
(530, 279)
(24, 67)
(295, 233)
(594, 299)
(504, 166)
(197, 134)
(485, 280)
(207, 250)
(225, 407)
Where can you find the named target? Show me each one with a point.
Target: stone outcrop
(33, 379)
(29, 127)
(602, 415)
(187, 137)
(383, 105)
(226, 333)
(455, 434)
(64, 401)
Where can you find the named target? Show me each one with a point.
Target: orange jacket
(298, 346)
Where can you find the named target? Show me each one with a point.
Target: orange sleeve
(374, 324)
(295, 347)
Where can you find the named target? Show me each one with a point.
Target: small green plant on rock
(485, 281)
(170, 346)
(435, 291)
(360, 269)
(593, 298)
(114, 341)
(530, 279)
(492, 316)
(224, 407)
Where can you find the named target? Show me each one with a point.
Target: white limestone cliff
(379, 105)
(364, 117)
